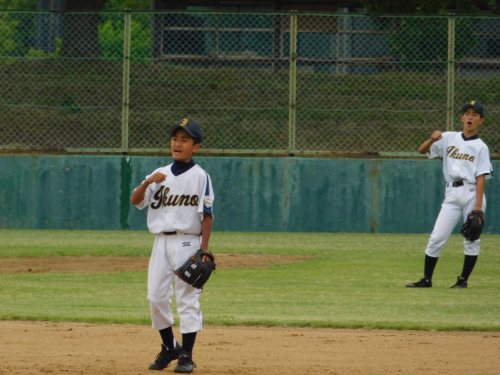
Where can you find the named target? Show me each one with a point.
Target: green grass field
(353, 280)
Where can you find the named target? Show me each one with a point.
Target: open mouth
(469, 122)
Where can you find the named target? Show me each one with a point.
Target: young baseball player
(466, 165)
(179, 198)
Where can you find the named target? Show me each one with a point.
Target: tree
(7, 41)
(81, 30)
(494, 5)
(421, 43)
(81, 37)
(18, 4)
(430, 7)
(127, 4)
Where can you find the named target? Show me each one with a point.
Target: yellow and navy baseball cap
(192, 127)
(477, 106)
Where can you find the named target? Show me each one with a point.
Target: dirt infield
(108, 264)
(78, 348)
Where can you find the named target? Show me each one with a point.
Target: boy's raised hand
(436, 136)
(157, 177)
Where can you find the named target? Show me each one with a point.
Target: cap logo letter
(184, 122)
(473, 102)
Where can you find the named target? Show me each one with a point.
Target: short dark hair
(196, 140)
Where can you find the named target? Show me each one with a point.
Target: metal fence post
(293, 83)
(126, 80)
(451, 74)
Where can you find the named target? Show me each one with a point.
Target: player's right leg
(160, 293)
(471, 248)
(447, 219)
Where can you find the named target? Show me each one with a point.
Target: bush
(423, 43)
(7, 37)
(111, 38)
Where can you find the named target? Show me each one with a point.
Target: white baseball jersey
(179, 202)
(463, 158)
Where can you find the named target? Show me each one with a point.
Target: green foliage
(7, 36)
(109, 5)
(392, 6)
(18, 4)
(127, 4)
(427, 7)
(70, 105)
(423, 42)
(494, 6)
(34, 53)
(111, 38)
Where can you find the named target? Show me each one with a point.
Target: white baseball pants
(169, 253)
(458, 203)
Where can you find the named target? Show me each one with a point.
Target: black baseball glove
(196, 272)
(473, 227)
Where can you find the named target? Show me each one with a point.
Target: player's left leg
(188, 306)
(191, 318)
(471, 248)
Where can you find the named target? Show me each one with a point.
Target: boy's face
(182, 146)
(471, 120)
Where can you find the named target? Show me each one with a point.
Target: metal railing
(259, 83)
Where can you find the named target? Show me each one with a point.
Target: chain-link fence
(258, 83)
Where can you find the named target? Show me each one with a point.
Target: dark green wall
(252, 194)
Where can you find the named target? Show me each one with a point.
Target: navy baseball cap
(192, 127)
(477, 106)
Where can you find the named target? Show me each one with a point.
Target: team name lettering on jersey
(162, 199)
(454, 152)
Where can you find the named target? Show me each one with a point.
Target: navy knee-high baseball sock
(469, 263)
(430, 264)
(167, 335)
(188, 342)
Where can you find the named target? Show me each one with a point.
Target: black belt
(455, 183)
(175, 232)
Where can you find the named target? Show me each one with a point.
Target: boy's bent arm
(479, 192)
(138, 194)
(426, 146)
(206, 230)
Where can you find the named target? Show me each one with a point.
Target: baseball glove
(473, 227)
(194, 271)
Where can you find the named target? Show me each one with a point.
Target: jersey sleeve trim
(486, 170)
(487, 174)
(207, 201)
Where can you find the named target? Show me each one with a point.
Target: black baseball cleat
(185, 364)
(461, 283)
(424, 283)
(166, 356)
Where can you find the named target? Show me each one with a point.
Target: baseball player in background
(179, 198)
(466, 166)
